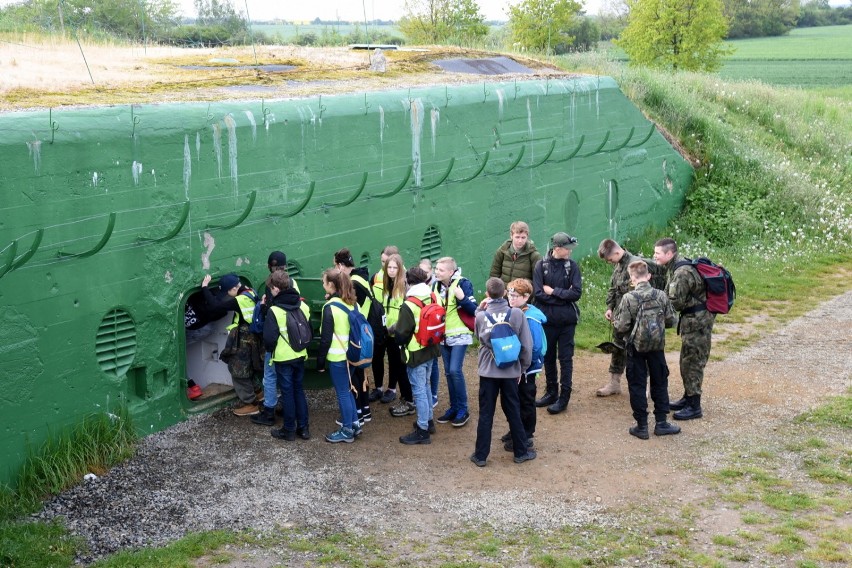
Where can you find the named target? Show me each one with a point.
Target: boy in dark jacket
(287, 362)
(503, 381)
(558, 285)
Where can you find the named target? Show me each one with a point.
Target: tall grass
(94, 445)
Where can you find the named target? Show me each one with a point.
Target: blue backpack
(360, 351)
(539, 340)
(504, 341)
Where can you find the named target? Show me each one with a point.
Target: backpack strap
(700, 306)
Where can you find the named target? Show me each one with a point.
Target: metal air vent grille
(115, 343)
(431, 246)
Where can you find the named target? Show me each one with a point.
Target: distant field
(290, 32)
(806, 57)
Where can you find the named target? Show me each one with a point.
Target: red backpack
(718, 284)
(432, 323)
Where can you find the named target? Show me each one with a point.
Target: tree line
(677, 34)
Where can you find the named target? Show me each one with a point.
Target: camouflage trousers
(618, 360)
(694, 352)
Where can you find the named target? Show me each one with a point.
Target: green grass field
(806, 57)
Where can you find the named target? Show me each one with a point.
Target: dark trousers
(560, 344)
(508, 390)
(526, 396)
(359, 382)
(639, 366)
(396, 368)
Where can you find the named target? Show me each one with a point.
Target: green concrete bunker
(111, 216)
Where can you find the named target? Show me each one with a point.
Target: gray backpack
(649, 331)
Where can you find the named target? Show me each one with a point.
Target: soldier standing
(611, 252)
(685, 289)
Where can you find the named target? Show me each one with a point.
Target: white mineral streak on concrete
(268, 119)
(187, 165)
(209, 245)
(136, 171)
(154, 175)
(198, 146)
(34, 148)
(250, 117)
(168, 277)
(530, 129)
(435, 120)
(95, 179)
(598, 99)
(382, 140)
(416, 133)
(217, 146)
(501, 99)
(231, 124)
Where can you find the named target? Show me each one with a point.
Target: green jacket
(620, 283)
(685, 289)
(510, 264)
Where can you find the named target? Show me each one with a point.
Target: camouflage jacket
(619, 285)
(628, 311)
(685, 288)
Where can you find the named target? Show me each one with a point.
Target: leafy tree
(543, 24)
(759, 18)
(613, 18)
(134, 19)
(586, 33)
(676, 34)
(442, 21)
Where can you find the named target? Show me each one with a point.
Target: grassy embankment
(772, 202)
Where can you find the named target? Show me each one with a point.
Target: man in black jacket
(558, 285)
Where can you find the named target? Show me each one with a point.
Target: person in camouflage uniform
(685, 288)
(641, 319)
(611, 252)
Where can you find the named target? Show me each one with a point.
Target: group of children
(413, 364)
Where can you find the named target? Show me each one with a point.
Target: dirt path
(220, 471)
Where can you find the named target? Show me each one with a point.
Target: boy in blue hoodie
(519, 292)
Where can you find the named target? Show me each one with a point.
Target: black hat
(277, 258)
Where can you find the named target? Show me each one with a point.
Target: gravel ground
(222, 472)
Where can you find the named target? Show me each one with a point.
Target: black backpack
(299, 329)
(376, 313)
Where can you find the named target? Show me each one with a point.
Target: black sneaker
(303, 433)
(375, 394)
(266, 417)
(530, 455)
(282, 434)
(477, 461)
(510, 446)
(388, 397)
(418, 436)
(506, 437)
(448, 416)
(546, 400)
(430, 428)
(640, 432)
(461, 419)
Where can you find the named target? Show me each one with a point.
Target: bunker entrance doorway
(206, 333)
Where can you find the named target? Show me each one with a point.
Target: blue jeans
(293, 402)
(419, 378)
(453, 360)
(435, 378)
(270, 392)
(339, 371)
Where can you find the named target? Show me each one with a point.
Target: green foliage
(543, 25)
(586, 33)
(94, 445)
(759, 18)
(820, 13)
(675, 34)
(36, 545)
(456, 22)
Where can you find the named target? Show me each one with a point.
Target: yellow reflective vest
(340, 337)
(283, 351)
(246, 304)
(455, 326)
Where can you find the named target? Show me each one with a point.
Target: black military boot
(548, 399)
(561, 403)
(665, 428)
(678, 404)
(640, 430)
(691, 411)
